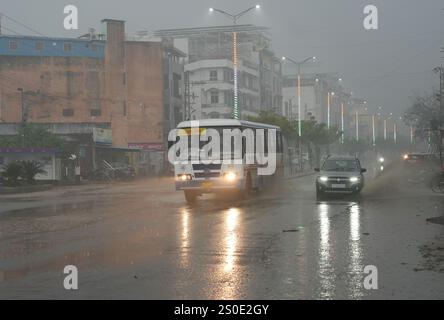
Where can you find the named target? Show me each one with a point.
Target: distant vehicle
(420, 159)
(381, 161)
(195, 178)
(339, 174)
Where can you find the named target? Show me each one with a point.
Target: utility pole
(440, 70)
(23, 114)
(441, 82)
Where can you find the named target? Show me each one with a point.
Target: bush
(29, 169)
(11, 173)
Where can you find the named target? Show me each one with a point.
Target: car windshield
(340, 165)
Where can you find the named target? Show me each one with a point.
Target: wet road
(140, 240)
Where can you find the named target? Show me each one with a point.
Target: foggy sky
(386, 66)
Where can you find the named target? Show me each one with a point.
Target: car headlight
(381, 159)
(354, 179)
(184, 177)
(230, 176)
(406, 156)
(323, 179)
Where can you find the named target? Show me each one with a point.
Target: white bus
(241, 175)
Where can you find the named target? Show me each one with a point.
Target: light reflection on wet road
(142, 241)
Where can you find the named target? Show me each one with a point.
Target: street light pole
(357, 125)
(373, 130)
(235, 18)
(329, 97)
(298, 89)
(23, 114)
(394, 132)
(299, 64)
(342, 122)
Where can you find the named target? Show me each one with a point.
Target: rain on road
(140, 240)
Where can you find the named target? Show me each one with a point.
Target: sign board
(149, 146)
(103, 136)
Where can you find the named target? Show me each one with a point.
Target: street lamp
(357, 124)
(235, 18)
(342, 123)
(330, 94)
(299, 64)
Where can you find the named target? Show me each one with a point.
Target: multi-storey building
(210, 72)
(130, 90)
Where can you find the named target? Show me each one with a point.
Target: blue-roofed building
(131, 90)
(12, 45)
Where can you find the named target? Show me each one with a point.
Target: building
(108, 93)
(209, 73)
(318, 91)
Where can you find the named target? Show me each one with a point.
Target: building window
(96, 112)
(39, 46)
(68, 112)
(13, 45)
(213, 75)
(176, 85)
(67, 47)
(214, 96)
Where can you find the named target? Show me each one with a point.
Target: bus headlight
(354, 179)
(323, 179)
(184, 177)
(230, 176)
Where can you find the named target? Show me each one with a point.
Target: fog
(385, 66)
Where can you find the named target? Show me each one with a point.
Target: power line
(22, 24)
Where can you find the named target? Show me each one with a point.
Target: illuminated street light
(299, 64)
(235, 18)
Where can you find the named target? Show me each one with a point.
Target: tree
(29, 169)
(424, 117)
(11, 173)
(33, 135)
(287, 127)
(314, 135)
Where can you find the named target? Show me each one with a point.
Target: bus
(239, 173)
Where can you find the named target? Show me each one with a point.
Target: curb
(28, 189)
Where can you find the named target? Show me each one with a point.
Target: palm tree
(30, 169)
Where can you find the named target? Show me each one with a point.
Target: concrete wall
(125, 87)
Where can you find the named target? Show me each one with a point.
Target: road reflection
(185, 238)
(229, 272)
(231, 223)
(355, 252)
(326, 268)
